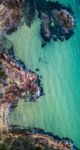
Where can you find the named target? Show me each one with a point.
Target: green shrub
(2, 74)
(3, 146)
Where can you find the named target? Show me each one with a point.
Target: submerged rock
(28, 11)
(57, 22)
(45, 26)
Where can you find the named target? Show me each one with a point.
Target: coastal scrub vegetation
(3, 146)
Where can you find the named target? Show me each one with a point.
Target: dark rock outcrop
(57, 22)
(35, 139)
(13, 3)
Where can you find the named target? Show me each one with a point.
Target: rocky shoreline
(57, 20)
(35, 139)
(9, 19)
(16, 80)
(15, 75)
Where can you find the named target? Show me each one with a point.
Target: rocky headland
(16, 81)
(34, 139)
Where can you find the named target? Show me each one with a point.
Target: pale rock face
(10, 15)
(9, 18)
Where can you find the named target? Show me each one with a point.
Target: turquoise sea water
(59, 110)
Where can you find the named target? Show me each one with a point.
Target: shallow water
(59, 64)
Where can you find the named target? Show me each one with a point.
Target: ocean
(58, 111)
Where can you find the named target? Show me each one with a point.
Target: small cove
(58, 111)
